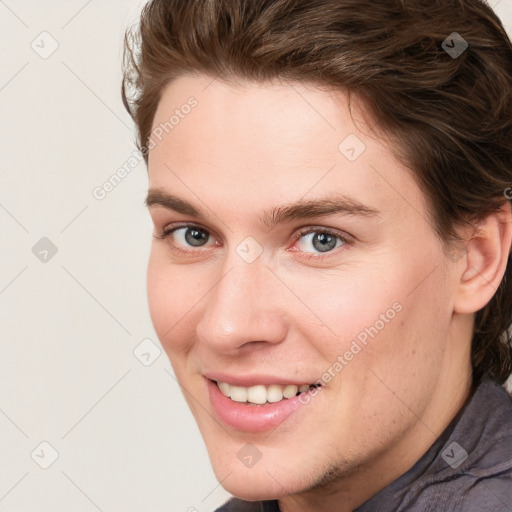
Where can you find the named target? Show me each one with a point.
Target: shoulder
(488, 432)
(473, 470)
(493, 494)
(464, 494)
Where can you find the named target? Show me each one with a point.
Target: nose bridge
(240, 306)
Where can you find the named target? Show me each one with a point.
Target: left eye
(321, 241)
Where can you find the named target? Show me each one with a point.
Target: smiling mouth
(261, 394)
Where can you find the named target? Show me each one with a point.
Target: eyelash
(306, 231)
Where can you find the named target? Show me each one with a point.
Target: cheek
(392, 317)
(171, 296)
(399, 363)
(343, 305)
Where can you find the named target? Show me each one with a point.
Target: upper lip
(247, 381)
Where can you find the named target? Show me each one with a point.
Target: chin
(250, 486)
(264, 481)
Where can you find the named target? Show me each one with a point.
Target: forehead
(269, 143)
(296, 113)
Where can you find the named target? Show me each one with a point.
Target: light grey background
(70, 322)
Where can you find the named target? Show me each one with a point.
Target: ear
(487, 254)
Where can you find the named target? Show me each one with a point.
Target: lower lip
(253, 418)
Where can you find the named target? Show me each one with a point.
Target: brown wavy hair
(448, 119)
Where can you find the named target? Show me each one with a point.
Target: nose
(244, 306)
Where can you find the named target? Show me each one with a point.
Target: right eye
(184, 236)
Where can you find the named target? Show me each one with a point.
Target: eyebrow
(330, 205)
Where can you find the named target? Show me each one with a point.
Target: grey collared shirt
(467, 469)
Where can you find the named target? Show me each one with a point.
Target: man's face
(358, 300)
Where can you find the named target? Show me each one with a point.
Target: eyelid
(322, 229)
(171, 228)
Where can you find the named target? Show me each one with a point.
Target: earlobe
(486, 258)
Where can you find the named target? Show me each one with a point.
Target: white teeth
(290, 390)
(225, 388)
(238, 394)
(274, 393)
(257, 394)
(261, 394)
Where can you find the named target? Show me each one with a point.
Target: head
(339, 212)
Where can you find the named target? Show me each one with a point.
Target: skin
(248, 148)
